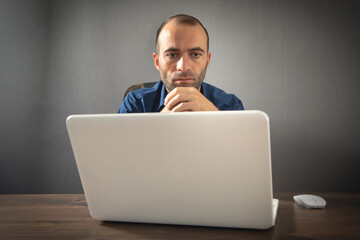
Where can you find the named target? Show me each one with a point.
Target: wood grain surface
(63, 216)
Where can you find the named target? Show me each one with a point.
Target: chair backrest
(138, 86)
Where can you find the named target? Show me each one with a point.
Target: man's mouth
(183, 80)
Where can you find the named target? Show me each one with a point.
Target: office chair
(138, 86)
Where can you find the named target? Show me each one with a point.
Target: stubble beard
(167, 79)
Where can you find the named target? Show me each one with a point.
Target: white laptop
(193, 168)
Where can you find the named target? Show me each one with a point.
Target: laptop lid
(198, 168)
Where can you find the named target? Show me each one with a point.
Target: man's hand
(185, 99)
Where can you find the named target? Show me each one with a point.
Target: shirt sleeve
(238, 104)
(131, 104)
(228, 102)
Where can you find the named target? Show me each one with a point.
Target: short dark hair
(182, 19)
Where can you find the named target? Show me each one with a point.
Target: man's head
(182, 45)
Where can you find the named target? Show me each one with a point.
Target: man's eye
(171, 55)
(196, 55)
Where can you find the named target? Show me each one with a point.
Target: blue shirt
(152, 99)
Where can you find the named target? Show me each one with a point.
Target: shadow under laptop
(164, 231)
(286, 227)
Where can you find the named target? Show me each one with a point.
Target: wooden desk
(67, 217)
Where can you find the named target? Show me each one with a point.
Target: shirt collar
(202, 90)
(163, 94)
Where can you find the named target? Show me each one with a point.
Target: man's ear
(156, 61)
(209, 57)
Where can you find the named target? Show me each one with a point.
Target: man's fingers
(178, 91)
(182, 107)
(188, 99)
(170, 95)
(165, 110)
(180, 98)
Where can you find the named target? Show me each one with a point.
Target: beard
(170, 83)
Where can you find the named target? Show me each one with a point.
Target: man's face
(182, 56)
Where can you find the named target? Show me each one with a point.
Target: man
(182, 57)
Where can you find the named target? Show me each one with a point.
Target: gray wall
(296, 60)
(23, 72)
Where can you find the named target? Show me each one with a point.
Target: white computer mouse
(310, 201)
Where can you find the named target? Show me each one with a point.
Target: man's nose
(183, 64)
